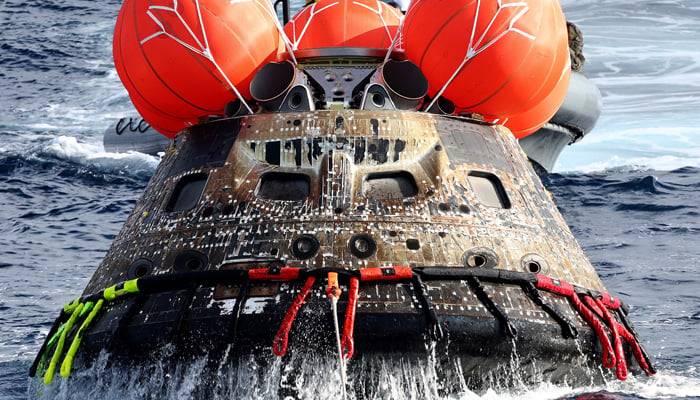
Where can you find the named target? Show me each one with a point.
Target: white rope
(378, 11)
(394, 41)
(272, 13)
(313, 12)
(204, 50)
(341, 359)
(474, 49)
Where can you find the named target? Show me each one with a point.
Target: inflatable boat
(349, 200)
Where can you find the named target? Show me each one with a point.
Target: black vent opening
(389, 185)
(284, 186)
(187, 193)
(489, 189)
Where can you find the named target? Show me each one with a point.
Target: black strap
(123, 323)
(478, 289)
(567, 327)
(182, 313)
(434, 328)
(237, 309)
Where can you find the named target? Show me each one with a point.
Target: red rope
(348, 342)
(613, 303)
(556, 286)
(279, 344)
(386, 274)
(609, 360)
(636, 349)
(266, 274)
(632, 342)
(594, 311)
(566, 289)
(600, 308)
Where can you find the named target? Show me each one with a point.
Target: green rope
(68, 308)
(86, 308)
(67, 364)
(78, 309)
(57, 334)
(121, 289)
(48, 376)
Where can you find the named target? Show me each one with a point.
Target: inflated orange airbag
(531, 120)
(495, 58)
(184, 60)
(344, 23)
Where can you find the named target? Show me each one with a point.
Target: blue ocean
(630, 190)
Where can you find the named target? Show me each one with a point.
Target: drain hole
(534, 267)
(412, 244)
(444, 207)
(193, 264)
(378, 100)
(464, 209)
(140, 271)
(295, 101)
(476, 261)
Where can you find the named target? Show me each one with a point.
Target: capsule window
(389, 185)
(489, 189)
(187, 193)
(283, 186)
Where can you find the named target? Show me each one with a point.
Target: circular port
(295, 101)
(480, 257)
(533, 263)
(140, 268)
(362, 246)
(476, 260)
(305, 247)
(190, 260)
(378, 100)
(534, 267)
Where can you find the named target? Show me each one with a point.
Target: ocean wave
(617, 163)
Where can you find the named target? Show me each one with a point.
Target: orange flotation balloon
(184, 60)
(493, 57)
(531, 120)
(344, 23)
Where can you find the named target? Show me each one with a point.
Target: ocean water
(630, 190)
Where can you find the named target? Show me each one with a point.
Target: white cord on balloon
(313, 12)
(204, 49)
(280, 29)
(474, 50)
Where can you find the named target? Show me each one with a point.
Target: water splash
(306, 377)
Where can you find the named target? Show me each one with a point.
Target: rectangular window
(488, 189)
(284, 186)
(389, 185)
(187, 193)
